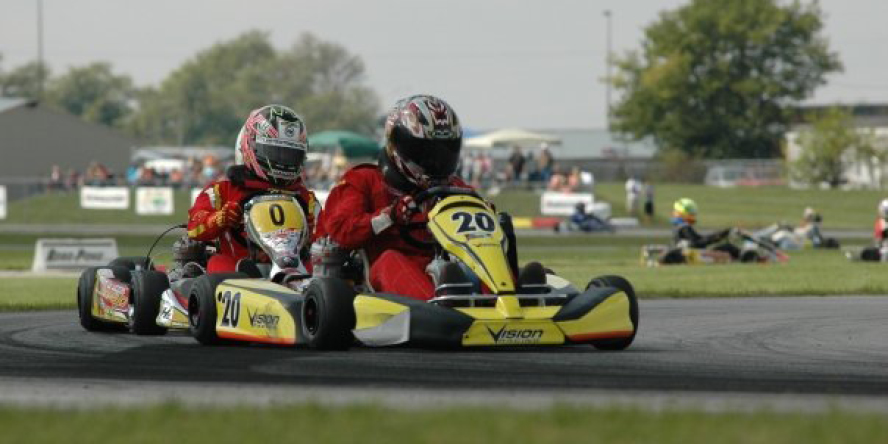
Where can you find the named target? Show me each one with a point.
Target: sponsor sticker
(263, 320)
(506, 335)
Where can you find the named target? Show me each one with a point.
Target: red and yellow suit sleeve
(349, 212)
(201, 224)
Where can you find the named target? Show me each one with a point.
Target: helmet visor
(284, 157)
(438, 159)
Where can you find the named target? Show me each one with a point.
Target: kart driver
(270, 151)
(684, 216)
(879, 251)
(423, 139)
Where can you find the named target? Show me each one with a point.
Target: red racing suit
(395, 266)
(230, 242)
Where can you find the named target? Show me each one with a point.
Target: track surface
(806, 345)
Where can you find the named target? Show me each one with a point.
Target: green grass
(33, 293)
(370, 424)
(724, 207)
(64, 208)
(808, 272)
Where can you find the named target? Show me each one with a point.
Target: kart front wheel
(147, 288)
(132, 262)
(328, 314)
(202, 307)
(623, 285)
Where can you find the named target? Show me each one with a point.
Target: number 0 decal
(277, 214)
(481, 222)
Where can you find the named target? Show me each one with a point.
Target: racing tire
(623, 285)
(147, 287)
(131, 262)
(328, 314)
(85, 287)
(202, 307)
(749, 256)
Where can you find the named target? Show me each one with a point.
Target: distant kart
(753, 250)
(472, 250)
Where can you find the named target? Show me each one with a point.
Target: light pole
(607, 59)
(40, 71)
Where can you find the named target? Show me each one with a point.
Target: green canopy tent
(353, 144)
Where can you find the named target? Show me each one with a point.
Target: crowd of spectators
(191, 173)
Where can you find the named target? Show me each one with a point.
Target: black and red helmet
(273, 144)
(423, 139)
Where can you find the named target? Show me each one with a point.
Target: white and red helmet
(423, 139)
(273, 144)
(883, 209)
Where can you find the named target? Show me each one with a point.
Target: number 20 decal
(231, 314)
(480, 222)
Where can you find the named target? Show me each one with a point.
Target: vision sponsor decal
(263, 320)
(516, 336)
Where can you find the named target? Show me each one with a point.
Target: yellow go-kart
(481, 298)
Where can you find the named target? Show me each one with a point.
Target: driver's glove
(226, 217)
(398, 213)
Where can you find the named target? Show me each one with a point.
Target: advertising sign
(2, 202)
(154, 200)
(562, 204)
(104, 198)
(72, 254)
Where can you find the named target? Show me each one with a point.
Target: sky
(499, 63)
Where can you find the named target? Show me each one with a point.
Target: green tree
(94, 93)
(827, 148)
(717, 78)
(206, 100)
(23, 81)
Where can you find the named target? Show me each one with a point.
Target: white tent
(508, 137)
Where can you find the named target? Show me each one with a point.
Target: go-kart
(753, 249)
(130, 294)
(478, 299)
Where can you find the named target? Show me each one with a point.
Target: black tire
(130, 262)
(673, 256)
(202, 307)
(147, 288)
(749, 256)
(532, 274)
(623, 285)
(85, 287)
(328, 314)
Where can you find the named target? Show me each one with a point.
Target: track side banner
(563, 204)
(154, 200)
(104, 198)
(2, 202)
(72, 254)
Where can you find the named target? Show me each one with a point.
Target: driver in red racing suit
(271, 149)
(368, 206)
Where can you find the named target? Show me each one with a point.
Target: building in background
(34, 138)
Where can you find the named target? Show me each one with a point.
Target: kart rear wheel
(85, 288)
(131, 262)
(147, 288)
(623, 285)
(328, 314)
(202, 307)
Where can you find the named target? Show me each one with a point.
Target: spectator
(648, 189)
(516, 163)
(546, 163)
(633, 190)
(56, 179)
(176, 178)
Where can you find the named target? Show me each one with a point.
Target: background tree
(23, 81)
(94, 93)
(205, 101)
(716, 78)
(827, 147)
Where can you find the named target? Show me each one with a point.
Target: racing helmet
(273, 144)
(685, 209)
(422, 143)
(883, 209)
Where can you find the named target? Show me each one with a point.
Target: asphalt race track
(805, 345)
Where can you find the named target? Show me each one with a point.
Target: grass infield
(577, 258)
(370, 424)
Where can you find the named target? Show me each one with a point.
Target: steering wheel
(440, 192)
